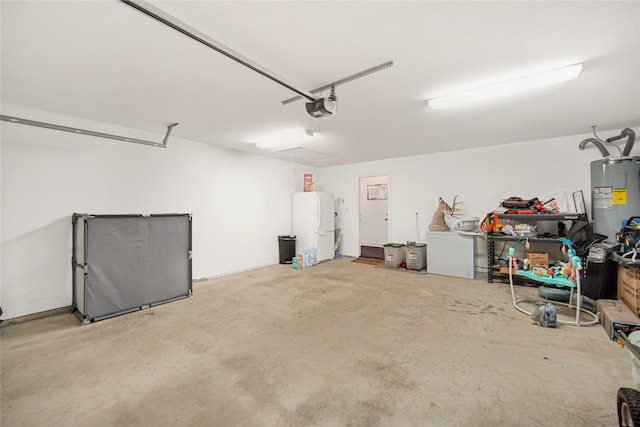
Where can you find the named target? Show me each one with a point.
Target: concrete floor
(339, 344)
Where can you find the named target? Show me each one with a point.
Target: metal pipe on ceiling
(172, 22)
(79, 131)
(343, 81)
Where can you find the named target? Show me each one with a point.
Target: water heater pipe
(597, 143)
(631, 138)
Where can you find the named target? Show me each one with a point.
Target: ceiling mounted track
(348, 79)
(20, 121)
(200, 37)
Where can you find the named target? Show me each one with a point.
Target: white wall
(240, 202)
(480, 178)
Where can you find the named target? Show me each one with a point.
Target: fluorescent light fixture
(282, 139)
(505, 89)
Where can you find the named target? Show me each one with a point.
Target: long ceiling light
(506, 88)
(281, 139)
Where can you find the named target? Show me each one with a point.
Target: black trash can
(287, 246)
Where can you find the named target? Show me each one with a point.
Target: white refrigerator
(313, 223)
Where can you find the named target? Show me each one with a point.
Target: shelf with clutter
(541, 222)
(565, 274)
(504, 229)
(628, 237)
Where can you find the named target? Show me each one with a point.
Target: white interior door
(374, 211)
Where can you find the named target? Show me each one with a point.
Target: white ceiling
(105, 61)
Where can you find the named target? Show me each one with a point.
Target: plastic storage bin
(416, 255)
(287, 246)
(394, 255)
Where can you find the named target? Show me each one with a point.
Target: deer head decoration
(443, 212)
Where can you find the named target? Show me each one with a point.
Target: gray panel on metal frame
(136, 261)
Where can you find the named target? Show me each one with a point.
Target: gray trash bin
(416, 255)
(393, 254)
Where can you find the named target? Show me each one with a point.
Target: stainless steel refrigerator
(313, 223)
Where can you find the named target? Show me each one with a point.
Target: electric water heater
(615, 193)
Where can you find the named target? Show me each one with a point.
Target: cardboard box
(537, 258)
(308, 184)
(616, 316)
(629, 287)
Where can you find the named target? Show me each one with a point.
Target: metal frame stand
(157, 270)
(576, 306)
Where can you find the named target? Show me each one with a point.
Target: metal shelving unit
(492, 238)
